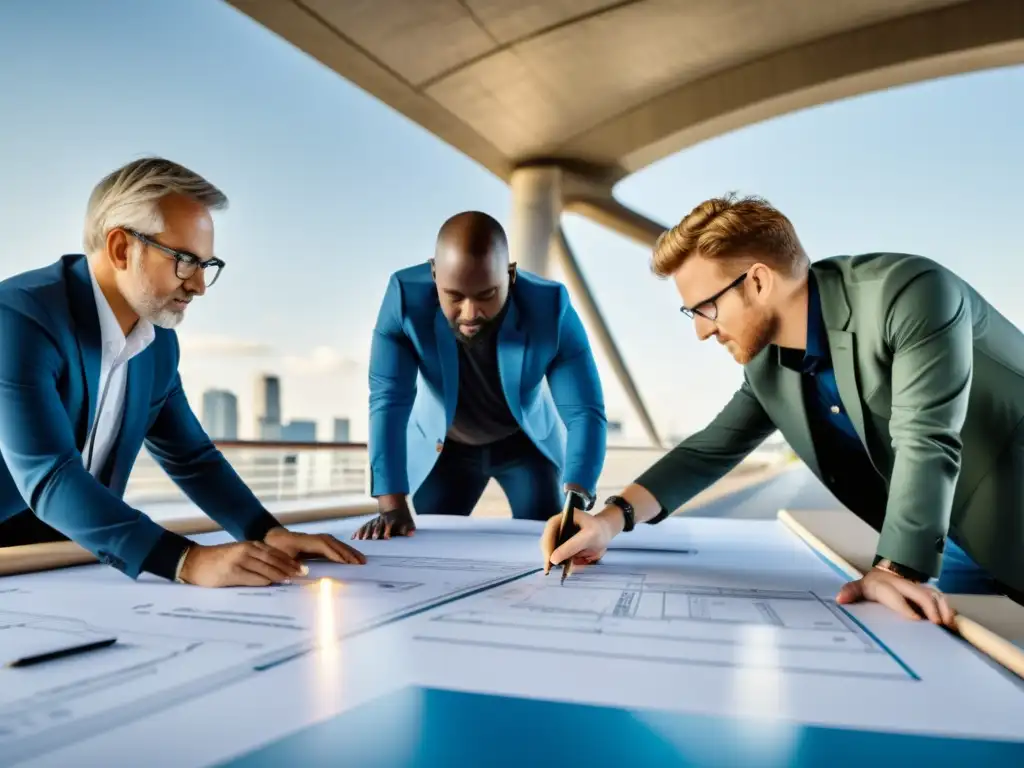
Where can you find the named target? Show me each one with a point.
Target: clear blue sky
(331, 191)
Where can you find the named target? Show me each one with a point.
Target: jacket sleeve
(38, 446)
(704, 458)
(393, 369)
(180, 445)
(576, 391)
(929, 330)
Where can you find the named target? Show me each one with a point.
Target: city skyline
(221, 418)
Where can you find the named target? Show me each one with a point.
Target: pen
(567, 528)
(71, 650)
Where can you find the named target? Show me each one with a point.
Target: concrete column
(586, 306)
(536, 209)
(537, 243)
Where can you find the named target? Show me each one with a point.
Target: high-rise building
(341, 431)
(299, 431)
(267, 407)
(220, 414)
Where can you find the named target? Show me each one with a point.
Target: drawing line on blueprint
(675, 660)
(693, 624)
(46, 720)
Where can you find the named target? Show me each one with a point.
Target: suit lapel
(138, 393)
(798, 433)
(87, 332)
(835, 312)
(511, 353)
(841, 347)
(448, 354)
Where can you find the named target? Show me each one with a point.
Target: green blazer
(932, 377)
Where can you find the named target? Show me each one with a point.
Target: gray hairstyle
(130, 196)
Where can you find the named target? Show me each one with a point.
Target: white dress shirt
(117, 351)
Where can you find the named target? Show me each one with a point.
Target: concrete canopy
(610, 86)
(564, 98)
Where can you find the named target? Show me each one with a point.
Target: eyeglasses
(186, 263)
(709, 307)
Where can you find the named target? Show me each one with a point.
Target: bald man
(463, 346)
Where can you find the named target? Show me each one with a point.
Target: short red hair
(732, 230)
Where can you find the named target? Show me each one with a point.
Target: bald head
(471, 236)
(472, 272)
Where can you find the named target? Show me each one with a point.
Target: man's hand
(901, 595)
(239, 564)
(323, 545)
(396, 521)
(587, 546)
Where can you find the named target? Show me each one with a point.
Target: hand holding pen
(574, 537)
(567, 527)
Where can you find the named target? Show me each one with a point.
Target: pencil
(567, 529)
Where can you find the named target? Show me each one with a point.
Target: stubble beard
(140, 293)
(762, 332)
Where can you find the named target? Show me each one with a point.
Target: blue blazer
(49, 375)
(414, 381)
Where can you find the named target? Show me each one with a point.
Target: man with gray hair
(89, 372)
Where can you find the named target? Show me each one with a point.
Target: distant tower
(341, 431)
(299, 431)
(220, 414)
(267, 407)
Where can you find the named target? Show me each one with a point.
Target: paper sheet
(178, 641)
(780, 658)
(728, 618)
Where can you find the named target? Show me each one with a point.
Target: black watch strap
(627, 511)
(903, 571)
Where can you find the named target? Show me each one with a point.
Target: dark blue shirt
(844, 462)
(821, 390)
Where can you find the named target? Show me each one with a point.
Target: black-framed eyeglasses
(186, 263)
(709, 307)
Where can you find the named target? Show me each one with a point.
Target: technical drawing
(176, 643)
(65, 700)
(450, 564)
(612, 611)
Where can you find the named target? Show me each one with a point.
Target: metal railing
(275, 471)
(304, 482)
(280, 472)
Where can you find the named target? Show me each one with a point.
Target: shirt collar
(115, 343)
(816, 353)
(817, 346)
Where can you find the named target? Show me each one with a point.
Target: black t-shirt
(482, 415)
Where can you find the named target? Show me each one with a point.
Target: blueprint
(738, 620)
(607, 611)
(178, 642)
(65, 699)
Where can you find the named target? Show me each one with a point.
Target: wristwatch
(588, 500)
(903, 571)
(627, 511)
(181, 564)
(585, 496)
